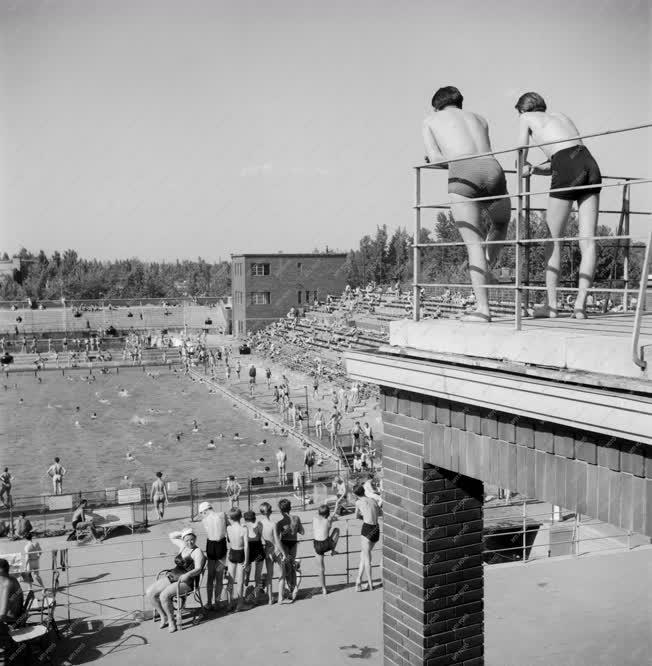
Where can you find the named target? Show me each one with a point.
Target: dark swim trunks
(256, 552)
(215, 550)
(322, 547)
(290, 546)
(474, 178)
(371, 532)
(236, 556)
(573, 167)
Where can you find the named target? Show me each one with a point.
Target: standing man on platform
(571, 165)
(57, 471)
(450, 133)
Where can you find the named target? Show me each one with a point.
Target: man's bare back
(544, 126)
(454, 132)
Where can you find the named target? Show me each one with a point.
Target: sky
(170, 130)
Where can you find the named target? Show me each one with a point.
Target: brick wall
(432, 551)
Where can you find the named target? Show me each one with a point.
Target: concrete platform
(601, 344)
(593, 610)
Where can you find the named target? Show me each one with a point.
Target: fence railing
(521, 286)
(111, 578)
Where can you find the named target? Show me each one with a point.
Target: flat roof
(306, 255)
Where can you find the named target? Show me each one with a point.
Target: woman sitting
(189, 564)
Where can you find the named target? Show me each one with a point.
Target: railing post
(347, 553)
(417, 250)
(142, 571)
(517, 239)
(527, 233)
(627, 246)
(524, 530)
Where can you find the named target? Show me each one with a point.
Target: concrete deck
(571, 611)
(601, 344)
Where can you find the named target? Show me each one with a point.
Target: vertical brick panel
(564, 442)
(525, 432)
(544, 437)
(472, 420)
(458, 415)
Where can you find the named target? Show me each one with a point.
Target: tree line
(384, 259)
(69, 276)
(379, 258)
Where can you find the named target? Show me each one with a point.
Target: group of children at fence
(244, 548)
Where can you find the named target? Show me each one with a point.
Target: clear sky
(183, 129)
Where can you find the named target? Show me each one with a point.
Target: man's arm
(433, 152)
(524, 134)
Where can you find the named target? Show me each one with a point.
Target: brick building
(265, 286)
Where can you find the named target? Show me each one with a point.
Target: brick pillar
(432, 565)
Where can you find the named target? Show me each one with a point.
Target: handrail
(521, 287)
(637, 354)
(443, 163)
(576, 188)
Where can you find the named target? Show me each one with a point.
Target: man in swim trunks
(367, 509)
(57, 471)
(288, 529)
(214, 523)
(159, 495)
(5, 488)
(571, 165)
(281, 460)
(450, 132)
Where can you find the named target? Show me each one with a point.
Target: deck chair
(179, 602)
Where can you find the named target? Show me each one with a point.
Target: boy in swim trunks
(238, 557)
(271, 550)
(451, 133)
(367, 509)
(571, 165)
(324, 540)
(256, 551)
(214, 523)
(288, 529)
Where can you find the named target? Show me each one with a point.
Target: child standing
(238, 557)
(256, 553)
(324, 540)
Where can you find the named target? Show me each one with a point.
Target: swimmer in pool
(210, 445)
(195, 427)
(94, 415)
(237, 436)
(220, 436)
(130, 458)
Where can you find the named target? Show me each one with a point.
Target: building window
(299, 297)
(299, 267)
(259, 269)
(240, 326)
(260, 298)
(307, 296)
(238, 297)
(316, 297)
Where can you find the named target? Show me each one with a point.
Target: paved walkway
(593, 610)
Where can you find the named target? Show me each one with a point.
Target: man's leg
(467, 216)
(210, 582)
(219, 580)
(588, 206)
(556, 218)
(322, 572)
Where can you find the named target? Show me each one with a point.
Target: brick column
(432, 562)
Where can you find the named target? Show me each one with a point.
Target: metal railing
(522, 244)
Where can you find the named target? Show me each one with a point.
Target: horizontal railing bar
(525, 241)
(468, 285)
(441, 163)
(542, 210)
(576, 188)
